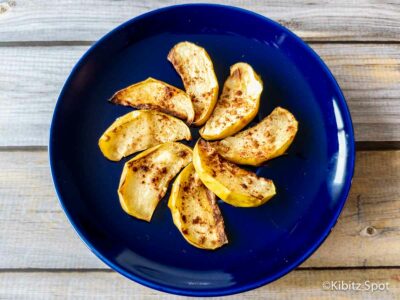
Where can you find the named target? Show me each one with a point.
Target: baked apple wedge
(195, 211)
(237, 105)
(268, 139)
(232, 184)
(145, 178)
(196, 69)
(157, 95)
(140, 130)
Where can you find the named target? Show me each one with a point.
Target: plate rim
(350, 163)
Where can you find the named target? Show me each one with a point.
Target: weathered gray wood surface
(369, 75)
(43, 20)
(34, 233)
(303, 284)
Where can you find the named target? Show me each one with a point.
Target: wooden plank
(42, 20)
(299, 284)
(369, 218)
(369, 75)
(34, 230)
(34, 233)
(30, 81)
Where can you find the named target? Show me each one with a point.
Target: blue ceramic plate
(265, 243)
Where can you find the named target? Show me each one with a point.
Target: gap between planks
(90, 43)
(109, 270)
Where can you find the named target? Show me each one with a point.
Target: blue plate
(312, 180)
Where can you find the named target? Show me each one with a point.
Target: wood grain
(43, 20)
(31, 79)
(369, 76)
(34, 232)
(300, 284)
(368, 231)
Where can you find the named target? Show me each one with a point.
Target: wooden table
(41, 257)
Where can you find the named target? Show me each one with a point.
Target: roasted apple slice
(195, 211)
(145, 178)
(157, 95)
(196, 69)
(140, 130)
(268, 139)
(232, 184)
(237, 105)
